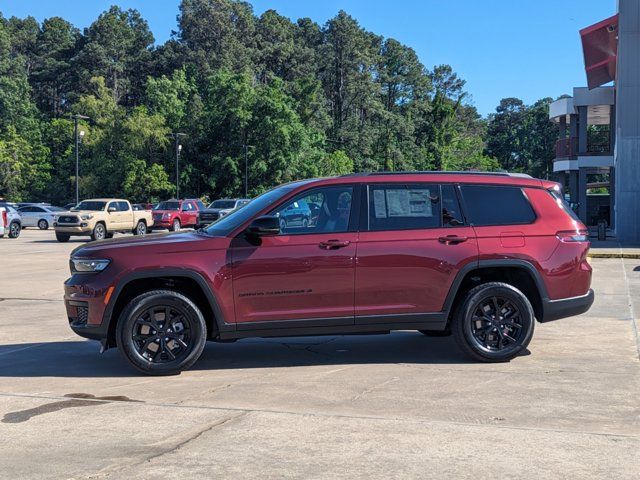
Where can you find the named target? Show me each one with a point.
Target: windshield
(233, 220)
(55, 209)
(223, 204)
(90, 205)
(167, 206)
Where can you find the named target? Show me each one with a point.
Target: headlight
(86, 217)
(88, 265)
(222, 214)
(55, 218)
(166, 216)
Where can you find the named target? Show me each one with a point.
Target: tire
(14, 230)
(99, 232)
(436, 333)
(488, 337)
(175, 226)
(109, 235)
(188, 327)
(283, 224)
(141, 228)
(43, 224)
(62, 237)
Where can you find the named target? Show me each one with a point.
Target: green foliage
(287, 99)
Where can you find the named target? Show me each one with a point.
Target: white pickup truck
(100, 218)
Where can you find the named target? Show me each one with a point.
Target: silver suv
(10, 221)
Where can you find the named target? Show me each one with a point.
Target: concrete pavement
(385, 406)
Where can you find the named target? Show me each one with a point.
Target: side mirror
(264, 227)
(111, 209)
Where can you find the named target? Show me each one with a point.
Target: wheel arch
(187, 282)
(520, 273)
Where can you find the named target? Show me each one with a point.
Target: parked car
(480, 256)
(176, 214)
(297, 214)
(14, 221)
(39, 215)
(220, 208)
(100, 218)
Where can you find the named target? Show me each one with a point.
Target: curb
(613, 255)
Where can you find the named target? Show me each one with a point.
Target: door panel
(307, 271)
(410, 249)
(292, 277)
(404, 272)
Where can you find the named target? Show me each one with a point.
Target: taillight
(4, 217)
(570, 236)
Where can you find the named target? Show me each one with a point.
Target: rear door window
(404, 207)
(488, 205)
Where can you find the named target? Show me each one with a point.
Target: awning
(600, 48)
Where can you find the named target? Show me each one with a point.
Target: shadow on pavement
(82, 358)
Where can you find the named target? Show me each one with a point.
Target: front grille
(81, 316)
(209, 217)
(67, 219)
(157, 216)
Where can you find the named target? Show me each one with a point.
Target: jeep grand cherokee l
(481, 256)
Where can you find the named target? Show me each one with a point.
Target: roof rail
(441, 172)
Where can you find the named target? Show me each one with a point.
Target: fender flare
(503, 262)
(222, 326)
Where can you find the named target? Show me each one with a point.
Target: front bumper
(77, 230)
(566, 307)
(85, 307)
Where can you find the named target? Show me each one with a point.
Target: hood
(171, 241)
(216, 210)
(164, 211)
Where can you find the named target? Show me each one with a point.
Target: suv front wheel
(494, 323)
(161, 332)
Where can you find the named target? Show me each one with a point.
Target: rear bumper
(566, 307)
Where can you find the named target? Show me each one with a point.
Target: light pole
(77, 117)
(176, 136)
(246, 168)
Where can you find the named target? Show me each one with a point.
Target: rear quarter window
(496, 205)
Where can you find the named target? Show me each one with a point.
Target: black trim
(435, 321)
(92, 332)
(566, 307)
(303, 323)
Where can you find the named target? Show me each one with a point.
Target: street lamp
(178, 148)
(77, 136)
(246, 169)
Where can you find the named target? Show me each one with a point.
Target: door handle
(333, 244)
(452, 239)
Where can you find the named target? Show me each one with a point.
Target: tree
(117, 47)
(146, 183)
(505, 134)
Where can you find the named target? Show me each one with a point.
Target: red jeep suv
(479, 256)
(176, 214)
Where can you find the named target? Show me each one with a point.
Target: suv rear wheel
(494, 323)
(14, 230)
(161, 332)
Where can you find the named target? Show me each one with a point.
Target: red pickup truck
(176, 214)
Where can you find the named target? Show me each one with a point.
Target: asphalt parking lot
(378, 406)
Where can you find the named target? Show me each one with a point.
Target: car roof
(494, 178)
(104, 200)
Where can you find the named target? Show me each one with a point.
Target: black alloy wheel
(161, 332)
(494, 323)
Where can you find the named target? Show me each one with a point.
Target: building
(598, 147)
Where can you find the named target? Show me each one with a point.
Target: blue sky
(503, 48)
